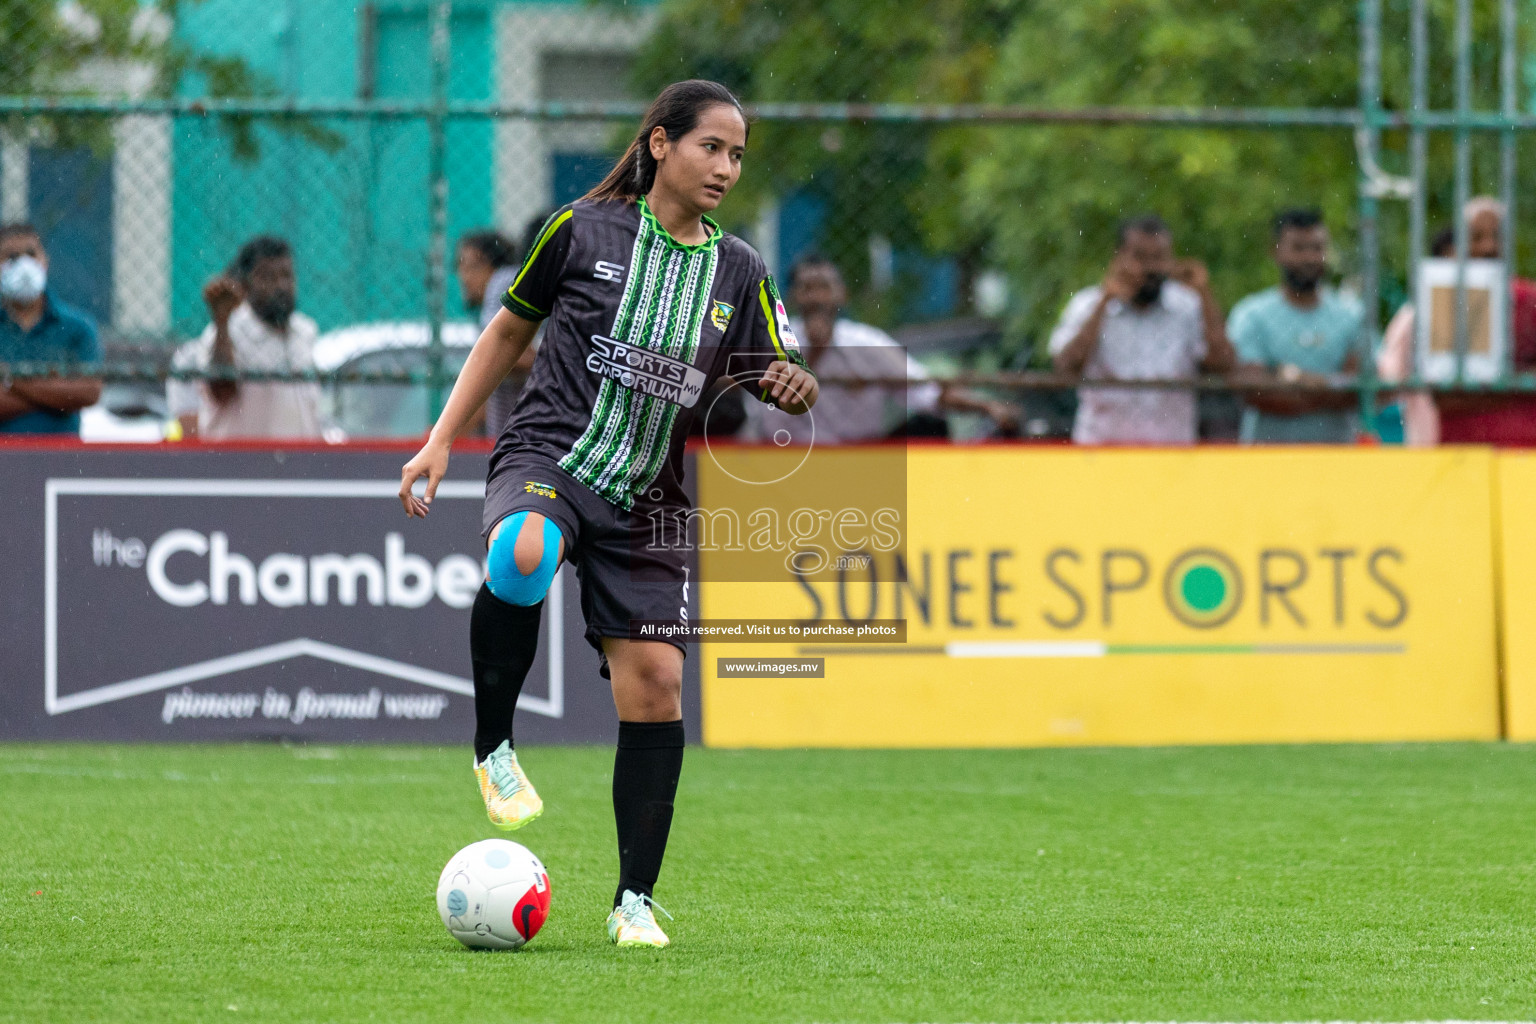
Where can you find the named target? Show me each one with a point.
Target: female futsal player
(648, 302)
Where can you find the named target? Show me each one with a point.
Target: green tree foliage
(896, 181)
(1040, 202)
(1055, 194)
(98, 47)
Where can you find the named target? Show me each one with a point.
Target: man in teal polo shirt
(37, 328)
(1297, 331)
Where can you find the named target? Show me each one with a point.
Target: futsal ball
(493, 894)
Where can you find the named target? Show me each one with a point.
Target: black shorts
(623, 575)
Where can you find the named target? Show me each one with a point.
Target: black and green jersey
(639, 329)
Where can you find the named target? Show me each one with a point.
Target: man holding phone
(1152, 318)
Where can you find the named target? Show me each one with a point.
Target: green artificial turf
(142, 883)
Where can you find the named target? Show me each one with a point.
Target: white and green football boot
(510, 800)
(633, 924)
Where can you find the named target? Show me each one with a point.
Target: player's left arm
(499, 347)
(791, 386)
(787, 380)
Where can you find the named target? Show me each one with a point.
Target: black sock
(503, 638)
(645, 771)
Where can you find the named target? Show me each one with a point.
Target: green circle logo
(1203, 588)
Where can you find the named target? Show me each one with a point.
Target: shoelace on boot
(632, 911)
(507, 782)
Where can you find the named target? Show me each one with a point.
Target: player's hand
(790, 386)
(1121, 282)
(431, 462)
(1193, 274)
(222, 295)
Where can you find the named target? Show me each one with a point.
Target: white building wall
(526, 34)
(14, 179)
(141, 225)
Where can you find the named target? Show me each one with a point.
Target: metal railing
(1366, 122)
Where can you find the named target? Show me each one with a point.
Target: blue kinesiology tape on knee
(506, 581)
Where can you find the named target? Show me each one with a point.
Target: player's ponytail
(677, 110)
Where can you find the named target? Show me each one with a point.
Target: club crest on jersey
(720, 314)
(647, 372)
(786, 333)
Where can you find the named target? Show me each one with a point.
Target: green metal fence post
(440, 24)
(1463, 176)
(1418, 163)
(1508, 28)
(1370, 241)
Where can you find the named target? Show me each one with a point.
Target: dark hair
(1300, 219)
(1444, 242)
(19, 228)
(1142, 224)
(806, 262)
(496, 248)
(676, 110)
(262, 247)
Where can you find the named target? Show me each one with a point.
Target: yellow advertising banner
(1058, 596)
(1517, 590)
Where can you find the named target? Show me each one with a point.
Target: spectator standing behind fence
(1139, 325)
(487, 264)
(1297, 331)
(836, 347)
(1420, 421)
(36, 327)
(254, 327)
(1505, 420)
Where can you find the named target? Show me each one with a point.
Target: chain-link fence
(964, 164)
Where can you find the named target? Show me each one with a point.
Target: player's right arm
(498, 349)
(526, 303)
(1076, 338)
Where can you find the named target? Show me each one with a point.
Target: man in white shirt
(254, 327)
(838, 348)
(1139, 325)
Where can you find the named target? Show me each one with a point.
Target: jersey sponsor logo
(605, 271)
(720, 314)
(786, 333)
(647, 372)
(542, 490)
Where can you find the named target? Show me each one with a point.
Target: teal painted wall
(350, 195)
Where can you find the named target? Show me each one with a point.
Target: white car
(125, 414)
(397, 346)
(136, 413)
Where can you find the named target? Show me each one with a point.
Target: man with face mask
(254, 327)
(1140, 325)
(1300, 330)
(36, 327)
